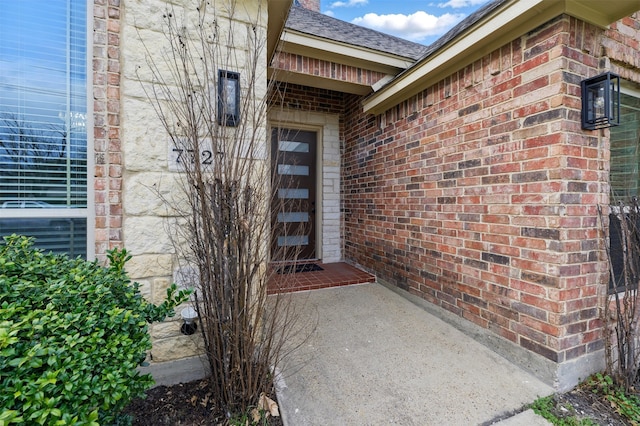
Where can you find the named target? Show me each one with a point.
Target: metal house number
(180, 158)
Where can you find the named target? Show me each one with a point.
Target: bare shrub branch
(222, 227)
(621, 308)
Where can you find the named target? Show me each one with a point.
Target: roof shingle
(320, 25)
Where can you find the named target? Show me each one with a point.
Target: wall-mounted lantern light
(601, 101)
(228, 98)
(189, 325)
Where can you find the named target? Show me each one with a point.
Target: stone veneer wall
(145, 170)
(479, 194)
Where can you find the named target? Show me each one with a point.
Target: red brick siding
(621, 46)
(294, 96)
(106, 133)
(310, 4)
(317, 67)
(479, 194)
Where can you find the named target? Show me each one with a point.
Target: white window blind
(625, 151)
(624, 177)
(43, 132)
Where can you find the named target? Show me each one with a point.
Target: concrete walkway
(373, 357)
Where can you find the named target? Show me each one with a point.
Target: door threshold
(293, 262)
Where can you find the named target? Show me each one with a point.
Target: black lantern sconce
(600, 101)
(228, 98)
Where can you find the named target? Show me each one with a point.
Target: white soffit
(319, 48)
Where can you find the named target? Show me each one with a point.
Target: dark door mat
(300, 267)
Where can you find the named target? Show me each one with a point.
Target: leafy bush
(625, 403)
(71, 336)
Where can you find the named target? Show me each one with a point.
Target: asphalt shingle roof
(320, 25)
(463, 25)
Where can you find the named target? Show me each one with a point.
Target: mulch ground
(190, 404)
(585, 404)
(184, 404)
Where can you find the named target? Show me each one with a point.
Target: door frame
(318, 178)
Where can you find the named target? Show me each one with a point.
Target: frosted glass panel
(293, 217)
(290, 169)
(293, 240)
(293, 193)
(291, 146)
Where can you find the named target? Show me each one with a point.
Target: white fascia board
(320, 48)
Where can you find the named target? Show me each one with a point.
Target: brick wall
(106, 120)
(321, 68)
(480, 194)
(297, 97)
(620, 47)
(309, 4)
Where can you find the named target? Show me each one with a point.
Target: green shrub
(72, 334)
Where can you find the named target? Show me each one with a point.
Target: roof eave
(601, 13)
(296, 42)
(511, 20)
(319, 82)
(278, 10)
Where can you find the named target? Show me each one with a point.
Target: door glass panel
(290, 169)
(293, 217)
(293, 240)
(291, 146)
(293, 193)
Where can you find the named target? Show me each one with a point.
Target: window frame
(628, 89)
(88, 212)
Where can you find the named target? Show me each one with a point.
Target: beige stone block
(145, 140)
(167, 329)
(254, 12)
(145, 289)
(154, 194)
(145, 14)
(176, 347)
(151, 265)
(159, 290)
(147, 235)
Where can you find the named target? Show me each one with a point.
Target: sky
(421, 21)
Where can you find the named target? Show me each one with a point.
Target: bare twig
(224, 227)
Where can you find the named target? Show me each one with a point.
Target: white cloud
(456, 4)
(416, 26)
(348, 3)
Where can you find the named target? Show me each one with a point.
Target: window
(624, 177)
(43, 127)
(625, 154)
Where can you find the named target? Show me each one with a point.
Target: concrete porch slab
(374, 357)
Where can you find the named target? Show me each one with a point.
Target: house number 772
(206, 155)
(179, 158)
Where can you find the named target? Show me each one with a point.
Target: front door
(293, 207)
